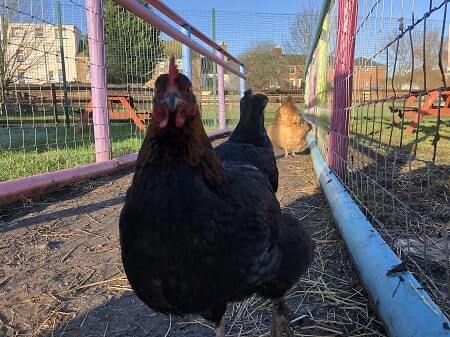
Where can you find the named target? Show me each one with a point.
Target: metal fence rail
(77, 85)
(378, 94)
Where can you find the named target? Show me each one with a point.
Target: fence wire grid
(397, 167)
(46, 108)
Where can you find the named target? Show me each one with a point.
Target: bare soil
(61, 274)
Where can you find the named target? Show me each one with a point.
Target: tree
(132, 46)
(20, 50)
(410, 50)
(263, 67)
(303, 29)
(431, 52)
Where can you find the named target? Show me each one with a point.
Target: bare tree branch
(22, 52)
(303, 28)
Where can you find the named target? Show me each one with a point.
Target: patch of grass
(15, 164)
(391, 134)
(33, 148)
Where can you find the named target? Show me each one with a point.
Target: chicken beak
(171, 100)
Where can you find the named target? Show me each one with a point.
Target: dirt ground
(61, 275)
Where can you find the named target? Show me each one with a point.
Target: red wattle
(180, 118)
(161, 118)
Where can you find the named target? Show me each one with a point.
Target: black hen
(249, 142)
(197, 233)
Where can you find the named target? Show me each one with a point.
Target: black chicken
(197, 233)
(249, 142)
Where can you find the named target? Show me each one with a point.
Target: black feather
(191, 248)
(249, 142)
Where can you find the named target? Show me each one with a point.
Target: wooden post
(63, 63)
(54, 103)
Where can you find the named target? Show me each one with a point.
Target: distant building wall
(34, 52)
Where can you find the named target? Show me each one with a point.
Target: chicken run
(195, 259)
(290, 180)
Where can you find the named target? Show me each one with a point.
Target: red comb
(173, 71)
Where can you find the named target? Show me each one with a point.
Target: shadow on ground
(39, 209)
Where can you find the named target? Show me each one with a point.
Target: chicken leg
(220, 328)
(280, 323)
(286, 153)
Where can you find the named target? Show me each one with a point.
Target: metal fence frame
(16, 189)
(404, 306)
(98, 66)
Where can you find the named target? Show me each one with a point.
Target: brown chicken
(290, 130)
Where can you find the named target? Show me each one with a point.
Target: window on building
(57, 33)
(273, 84)
(291, 69)
(17, 32)
(51, 75)
(58, 58)
(21, 77)
(292, 82)
(39, 32)
(20, 56)
(60, 75)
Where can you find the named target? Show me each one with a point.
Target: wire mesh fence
(397, 164)
(46, 109)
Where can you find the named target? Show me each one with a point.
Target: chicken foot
(286, 153)
(280, 323)
(220, 328)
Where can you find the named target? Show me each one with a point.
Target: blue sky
(252, 6)
(244, 23)
(237, 23)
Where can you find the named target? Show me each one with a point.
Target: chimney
(223, 45)
(277, 51)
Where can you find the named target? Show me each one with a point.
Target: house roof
(363, 61)
(294, 59)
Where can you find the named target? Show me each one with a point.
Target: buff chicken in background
(290, 130)
(199, 228)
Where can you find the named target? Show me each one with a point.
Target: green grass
(30, 150)
(34, 147)
(384, 131)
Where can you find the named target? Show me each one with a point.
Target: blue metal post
(241, 80)
(187, 55)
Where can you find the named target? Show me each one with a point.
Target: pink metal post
(342, 98)
(221, 92)
(98, 80)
